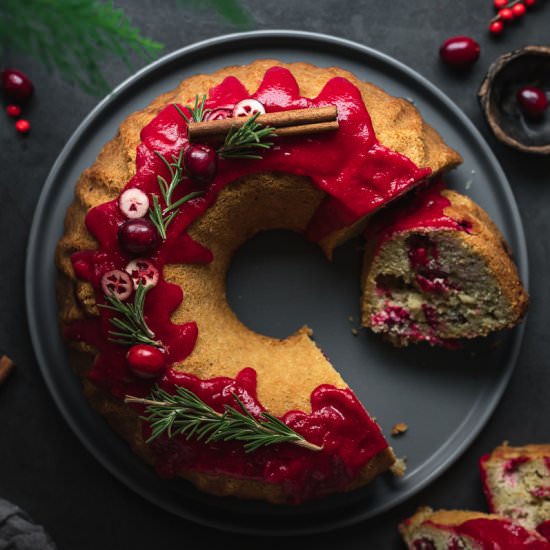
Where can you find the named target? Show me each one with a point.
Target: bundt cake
(464, 530)
(516, 482)
(147, 244)
(437, 269)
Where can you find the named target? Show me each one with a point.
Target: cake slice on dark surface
(437, 269)
(516, 482)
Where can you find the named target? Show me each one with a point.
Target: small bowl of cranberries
(515, 97)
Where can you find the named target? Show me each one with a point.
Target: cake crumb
(6, 366)
(354, 331)
(399, 428)
(399, 467)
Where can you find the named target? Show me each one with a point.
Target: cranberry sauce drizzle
(359, 176)
(497, 533)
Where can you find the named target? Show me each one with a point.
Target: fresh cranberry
(116, 283)
(530, 3)
(496, 27)
(506, 14)
(143, 272)
(16, 85)
(146, 361)
(201, 163)
(533, 101)
(13, 110)
(23, 126)
(218, 114)
(459, 52)
(518, 10)
(499, 4)
(248, 107)
(139, 236)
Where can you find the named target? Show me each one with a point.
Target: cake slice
(437, 269)
(516, 482)
(465, 530)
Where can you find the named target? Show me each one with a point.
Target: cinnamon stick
(296, 122)
(6, 366)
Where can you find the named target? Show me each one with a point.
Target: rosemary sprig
(197, 111)
(132, 327)
(162, 217)
(244, 142)
(184, 413)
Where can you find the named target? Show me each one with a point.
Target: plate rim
(309, 39)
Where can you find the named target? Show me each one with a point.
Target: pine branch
(230, 9)
(244, 142)
(73, 36)
(184, 413)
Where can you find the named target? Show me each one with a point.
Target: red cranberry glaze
(533, 101)
(16, 85)
(138, 236)
(544, 529)
(201, 163)
(359, 176)
(459, 52)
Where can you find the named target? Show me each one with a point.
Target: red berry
(499, 4)
(248, 107)
(201, 163)
(23, 126)
(16, 85)
(13, 110)
(533, 101)
(506, 14)
(133, 203)
(496, 27)
(459, 52)
(116, 283)
(218, 114)
(139, 236)
(530, 3)
(518, 10)
(142, 272)
(146, 361)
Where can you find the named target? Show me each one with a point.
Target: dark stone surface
(45, 469)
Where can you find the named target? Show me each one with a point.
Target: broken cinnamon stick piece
(291, 123)
(6, 366)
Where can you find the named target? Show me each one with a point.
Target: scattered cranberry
(530, 3)
(117, 283)
(138, 236)
(13, 110)
(146, 361)
(499, 4)
(459, 52)
(23, 126)
(496, 27)
(533, 101)
(518, 10)
(142, 272)
(201, 163)
(133, 203)
(218, 114)
(506, 14)
(248, 107)
(16, 85)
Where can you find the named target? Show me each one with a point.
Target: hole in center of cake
(279, 282)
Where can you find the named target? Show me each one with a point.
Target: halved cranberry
(142, 272)
(146, 361)
(17, 85)
(459, 52)
(201, 163)
(218, 114)
(139, 236)
(248, 107)
(117, 283)
(133, 203)
(431, 283)
(533, 101)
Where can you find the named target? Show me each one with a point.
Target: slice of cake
(465, 530)
(437, 269)
(516, 482)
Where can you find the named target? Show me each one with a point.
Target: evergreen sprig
(244, 142)
(184, 413)
(197, 111)
(73, 36)
(162, 217)
(131, 325)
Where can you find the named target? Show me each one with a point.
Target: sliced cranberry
(459, 52)
(139, 236)
(512, 465)
(142, 272)
(424, 543)
(218, 114)
(421, 250)
(390, 316)
(533, 101)
(541, 492)
(133, 203)
(248, 107)
(430, 283)
(146, 361)
(201, 163)
(117, 283)
(431, 315)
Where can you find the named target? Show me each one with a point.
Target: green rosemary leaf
(197, 111)
(242, 143)
(184, 413)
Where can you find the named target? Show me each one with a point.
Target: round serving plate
(278, 282)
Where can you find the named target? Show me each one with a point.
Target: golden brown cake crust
(532, 450)
(301, 366)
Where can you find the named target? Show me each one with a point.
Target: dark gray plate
(279, 282)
